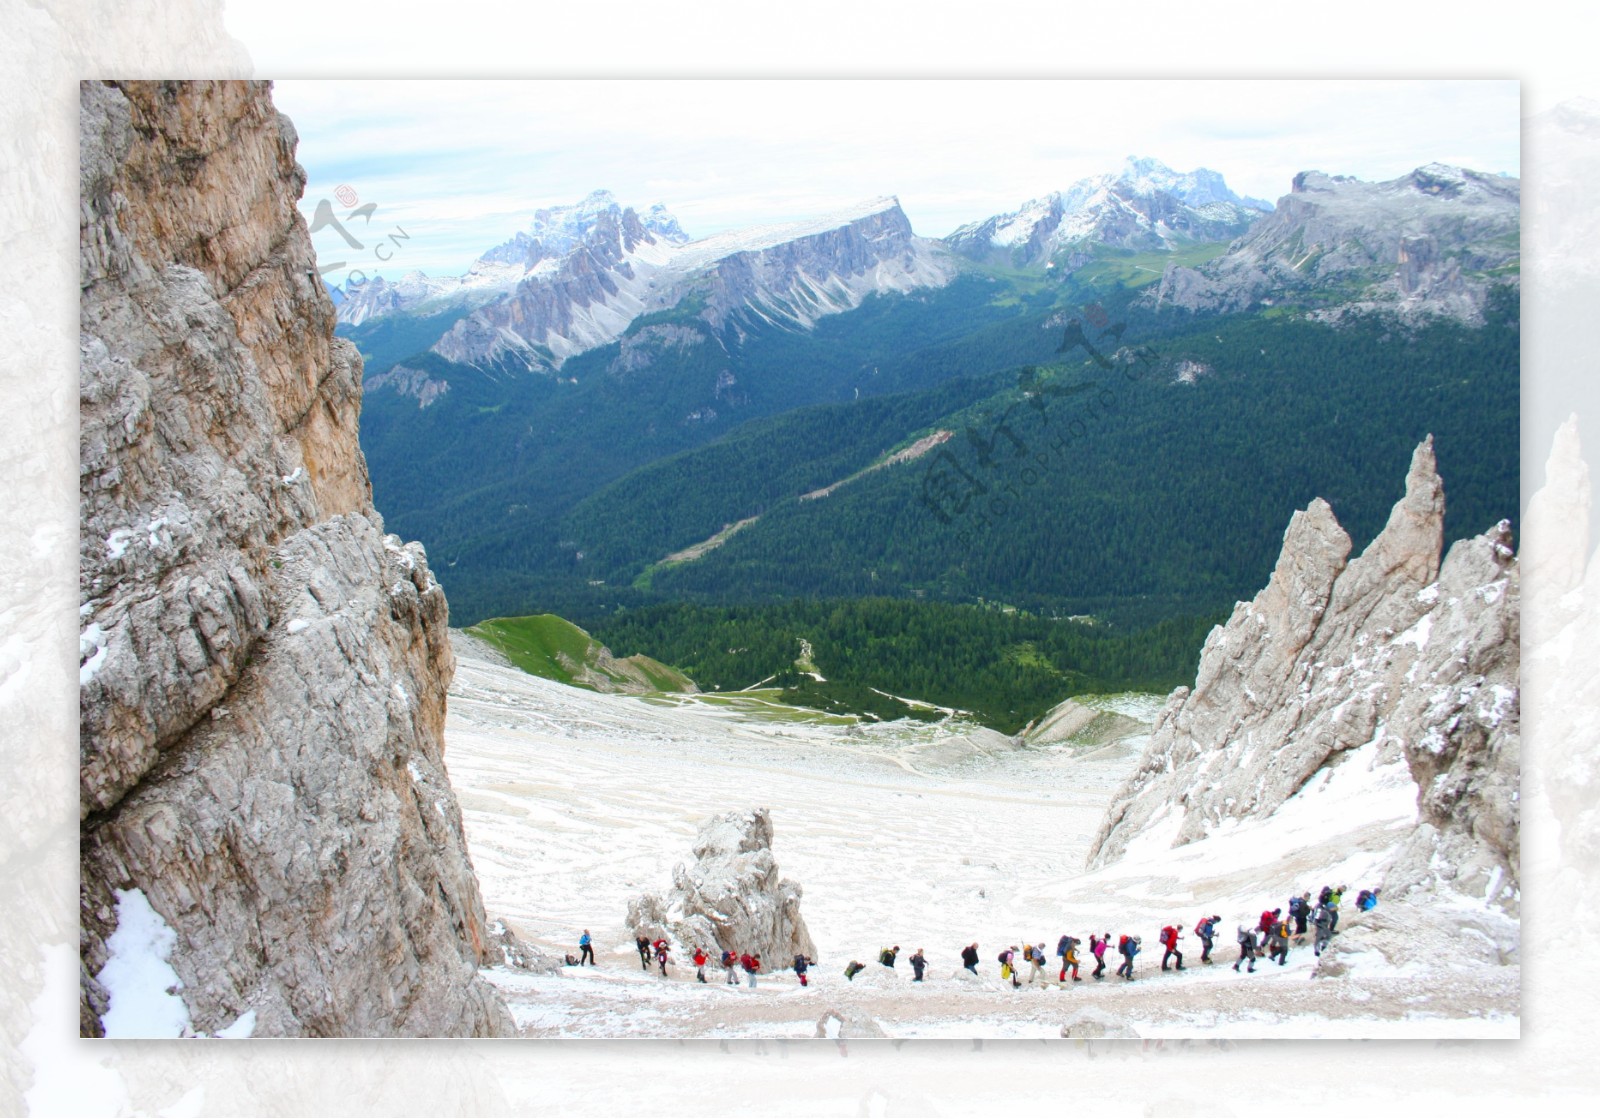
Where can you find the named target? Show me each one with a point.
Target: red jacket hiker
(1169, 936)
(1268, 919)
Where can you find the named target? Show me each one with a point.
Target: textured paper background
(45, 1069)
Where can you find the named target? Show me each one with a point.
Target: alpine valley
(1099, 407)
(1142, 554)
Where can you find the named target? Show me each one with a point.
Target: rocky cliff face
(1429, 243)
(1389, 656)
(262, 671)
(731, 897)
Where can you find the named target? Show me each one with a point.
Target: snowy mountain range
(580, 276)
(555, 234)
(583, 274)
(1143, 206)
(1433, 241)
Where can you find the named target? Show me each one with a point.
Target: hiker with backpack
(751, 965)
(1068, 951)
(1097, 947)
(886, 956)
(586, 949)
(918, 962)
(1322, 917)
(802, 964)
(700, 959)
(730, 961)
(1169, 941)
(1036, 957)
(853, 968)
(1269, 917)
(1367, 901)
(1008, 965)
(969, 957)
(1206, 930)
(1278, 943)
(642, 943)
(1247, 949)
(661, 955)
(1129, 947)
(1333, 903)
(1299, 909)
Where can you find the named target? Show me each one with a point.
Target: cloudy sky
(459, 166)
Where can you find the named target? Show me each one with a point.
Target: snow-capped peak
(696, 254)
(1143, 205)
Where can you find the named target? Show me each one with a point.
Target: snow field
(575, 802)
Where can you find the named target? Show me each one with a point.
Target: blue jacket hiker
(1129, 947)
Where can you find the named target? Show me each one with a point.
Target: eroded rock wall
(262, 671)
(1392, 649)
(732, 896)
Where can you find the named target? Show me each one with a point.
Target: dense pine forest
(1007, 667)
(1082, 455)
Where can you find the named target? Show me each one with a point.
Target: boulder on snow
(1096, 1024)
(518, 954)
(839, 1026)
(732, 897)
(1401, 939)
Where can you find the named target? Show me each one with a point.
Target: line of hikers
(1271, 935)
(733, 962)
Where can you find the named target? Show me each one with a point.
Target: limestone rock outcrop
(262, 671)
(1391, 651)
(848, 1026)
(731, 897)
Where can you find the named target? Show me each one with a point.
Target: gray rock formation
(1395, 936)
(731, 897)
(1390, 650)
(518, 955)
(409, 382)
(262, 671)
(1432, 242)
(848, 1026)
(1093, 1024)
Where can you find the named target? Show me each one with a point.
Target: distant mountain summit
(1144, 206)
(1433, 241)
(581, 275)
(555, 233)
